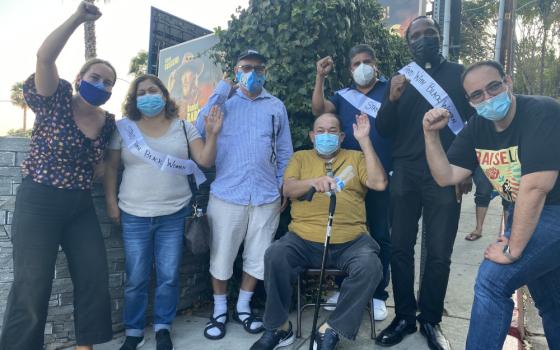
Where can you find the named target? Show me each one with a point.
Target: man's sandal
(473, 236)
(214, 323)
(248, 322)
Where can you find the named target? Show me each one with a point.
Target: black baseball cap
(250, 53)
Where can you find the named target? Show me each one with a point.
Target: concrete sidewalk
(187, 331)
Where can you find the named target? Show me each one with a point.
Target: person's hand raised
(398, 85)
(324, 66)
(361, 127)
(435, 119)
(87, 12)
(214, 121)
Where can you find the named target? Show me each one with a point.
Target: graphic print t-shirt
(530, 144)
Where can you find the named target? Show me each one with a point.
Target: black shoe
(434, 336)
(248, 321)
(132, 343)
(326, 341)
(274, 339)
(395, 333)
(163, 340)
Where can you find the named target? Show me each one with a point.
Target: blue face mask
(251, 81)
(94, 94)
(150, 105)
(326, 144)
(495, 108)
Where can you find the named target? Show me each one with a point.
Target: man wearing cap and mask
(429, 81)
(245, 198)
(364, 95)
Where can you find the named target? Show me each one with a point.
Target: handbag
(197, 229)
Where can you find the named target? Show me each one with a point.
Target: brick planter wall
(59, 330)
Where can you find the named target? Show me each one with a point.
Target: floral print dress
(61, 155)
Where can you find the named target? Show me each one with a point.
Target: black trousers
(414, 192)
(290, 255)
(45, 218)
(377, 212)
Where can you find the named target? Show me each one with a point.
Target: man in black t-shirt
(414, 192)
(516, 141)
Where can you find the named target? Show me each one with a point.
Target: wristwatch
(508, 255)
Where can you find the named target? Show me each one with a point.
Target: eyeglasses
(246, 68)
(273, 141)
(492, 89)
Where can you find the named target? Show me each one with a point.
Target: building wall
(59, 330)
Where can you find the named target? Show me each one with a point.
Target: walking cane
(332, 206)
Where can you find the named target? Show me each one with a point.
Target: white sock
(244, 305)
(220, 307)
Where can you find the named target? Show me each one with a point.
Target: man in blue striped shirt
(253, 151)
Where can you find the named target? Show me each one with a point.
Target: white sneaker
(332, 299)
(380, 310)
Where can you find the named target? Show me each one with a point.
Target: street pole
(421, 7)
(446, 28)
(505, 35)
(499, 32)
(508, 36)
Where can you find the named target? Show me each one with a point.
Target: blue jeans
(538, 268)
(145, 238)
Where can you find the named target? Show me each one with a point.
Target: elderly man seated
(352, 249)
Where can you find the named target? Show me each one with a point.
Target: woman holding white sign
(154, 146)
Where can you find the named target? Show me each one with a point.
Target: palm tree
(89, 36)
(18, 100)
(138, 64)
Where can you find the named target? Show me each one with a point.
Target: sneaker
(163, 340)
(326, 341)
(132, 343)
(274, 339)
(379, 310)
(332, 299)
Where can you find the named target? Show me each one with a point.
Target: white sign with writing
(134, 141)
(433, 93)
(360, 101)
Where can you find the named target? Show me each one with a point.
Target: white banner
(433, 93)
(360, 101)
(134, 141)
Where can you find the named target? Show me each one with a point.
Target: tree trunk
(89, 38)
(24, 118)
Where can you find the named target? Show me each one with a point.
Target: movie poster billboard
(190, 74)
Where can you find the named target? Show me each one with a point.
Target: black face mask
(425, 49)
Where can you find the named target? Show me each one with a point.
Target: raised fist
(87, 12)
(398, 84)
(324, 66)
(435, 119)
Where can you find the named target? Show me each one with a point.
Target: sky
(122, 31)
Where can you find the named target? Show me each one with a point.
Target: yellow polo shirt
(309, 219)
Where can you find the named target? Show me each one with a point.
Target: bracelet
(508, 255)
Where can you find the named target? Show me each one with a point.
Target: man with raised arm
(515, 139)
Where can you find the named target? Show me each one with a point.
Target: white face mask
(363, 74)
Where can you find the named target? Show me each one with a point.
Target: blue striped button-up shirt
(253, 148)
